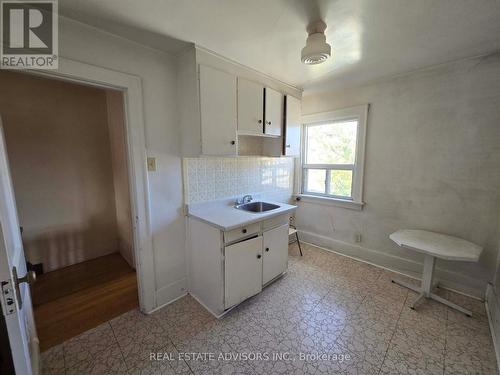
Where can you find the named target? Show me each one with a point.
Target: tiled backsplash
(207, 179)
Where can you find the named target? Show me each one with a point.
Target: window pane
(340, 183)
(333, 143)
(315, 180)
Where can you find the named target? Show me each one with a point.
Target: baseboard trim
(170, 293)
(448, 280)
(166, 304)
(492, 311)
(218, 316)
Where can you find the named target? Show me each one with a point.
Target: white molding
(361, 114)
(166, 303)
(492, 312)
(326, 201)
(170, 292)
(131, 86)
(448, 280)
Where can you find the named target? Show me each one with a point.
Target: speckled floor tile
(86, 346)
(53, 361)
(105, 362)
(328, 315)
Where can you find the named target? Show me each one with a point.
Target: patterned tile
(423, 322)
(345, 361)
(472, 304)
(53, 361)
(184, 319)
(427, 307)
(162, 360)
(86, 346)
(367, 341)
(328, 315)
(399, 362)
(381, 308)
(140, 337)
(106, 362)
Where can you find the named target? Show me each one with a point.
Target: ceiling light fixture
(317, 50)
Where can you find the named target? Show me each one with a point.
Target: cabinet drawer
(275, 222)
(236, 234)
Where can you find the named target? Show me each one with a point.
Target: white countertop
(224, 216)
(437, 244)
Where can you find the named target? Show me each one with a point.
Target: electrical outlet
(357, 237)
(151, 164)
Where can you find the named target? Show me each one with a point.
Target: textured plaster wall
(432, 162)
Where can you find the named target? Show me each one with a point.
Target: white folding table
(435, 245)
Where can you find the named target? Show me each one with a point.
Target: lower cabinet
(275, 253)
(243, 270)
(226, 268)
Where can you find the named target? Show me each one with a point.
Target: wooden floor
(74, 299)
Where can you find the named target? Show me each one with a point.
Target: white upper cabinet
(221, 107)
(250, 107)
(218, 112)
(292, 126)
(273, 112)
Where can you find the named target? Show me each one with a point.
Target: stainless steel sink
(257, 207)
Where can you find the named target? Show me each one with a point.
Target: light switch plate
(151, 164)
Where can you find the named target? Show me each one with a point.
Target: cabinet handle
(269, 123)
(243, 230)
(259, 256)
(233, 142)
(267, 249)
(287, 146)
(259, 122)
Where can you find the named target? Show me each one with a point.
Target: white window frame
(359, 113)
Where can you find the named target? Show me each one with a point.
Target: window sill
(344, 203)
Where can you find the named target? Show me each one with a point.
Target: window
(333, 154)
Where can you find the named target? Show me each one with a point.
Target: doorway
(67, 151)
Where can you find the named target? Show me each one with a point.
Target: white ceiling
(370, 38)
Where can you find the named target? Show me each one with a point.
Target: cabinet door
(274, 112)
(292, 126)
(218, 112)
(275, 253)
(250, 107)
(243, 271)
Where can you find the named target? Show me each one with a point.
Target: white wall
(432, 162)
(158, 74)
(118, 147)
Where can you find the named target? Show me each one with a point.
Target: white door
(250, 107)
(16, 307)
(274, 112)
(218, 112)
(292, 126)
(243, 271)
(275, 253)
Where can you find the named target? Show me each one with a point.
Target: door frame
(131, 87)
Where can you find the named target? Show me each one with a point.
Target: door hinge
(8, 298)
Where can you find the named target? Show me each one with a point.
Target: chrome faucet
(246, 199)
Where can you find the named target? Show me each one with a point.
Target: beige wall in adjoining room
(118, 143)
(58, 147)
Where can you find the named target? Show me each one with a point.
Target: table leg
(427, 285)
(407, 285)
(428, 275)
(437, 298)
